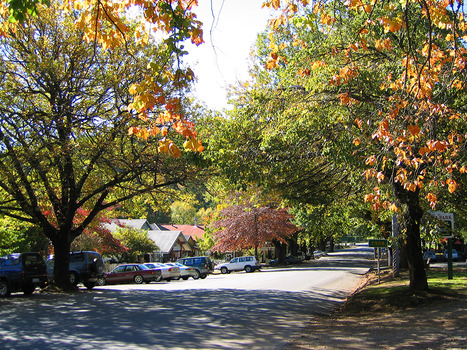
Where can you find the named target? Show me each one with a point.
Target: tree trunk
(331, 245)
(411, 216)
(62, 247)
(280, 251)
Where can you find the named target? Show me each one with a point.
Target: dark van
(86, 267)
(22, 272)
(203, 264)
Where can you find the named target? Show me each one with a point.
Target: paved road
(237, 311)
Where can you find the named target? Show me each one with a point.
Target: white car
(168, 273)
(247, 263)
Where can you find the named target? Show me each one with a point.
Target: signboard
(377, 243)
(448, 219)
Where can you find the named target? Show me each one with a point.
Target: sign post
(378, 243)
(448, 218)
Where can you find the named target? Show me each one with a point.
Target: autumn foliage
(106, 24)
(415, 51)
(247, 227)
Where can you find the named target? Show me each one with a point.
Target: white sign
(446, 217)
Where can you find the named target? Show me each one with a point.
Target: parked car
(455, 255)
(186, 271)
(86, 267)
(247, 263)
(22, 272)
(289, 260)
(202, 264)
(430, 256)
(318, 254)
(132, 273)
(168, 273)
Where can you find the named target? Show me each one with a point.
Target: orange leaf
(414, 129)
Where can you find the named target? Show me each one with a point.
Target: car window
(74, 258)
(141, 267)
(249, 258)
(119, 269)
(32, 260)
(234, 260)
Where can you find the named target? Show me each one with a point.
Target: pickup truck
(22, 272)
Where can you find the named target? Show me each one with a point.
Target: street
(258, 310)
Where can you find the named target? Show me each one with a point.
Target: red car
(132, 273)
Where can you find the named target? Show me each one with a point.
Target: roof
(166, 240)
(195, 232)
(140, 224)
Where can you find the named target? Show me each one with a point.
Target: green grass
(394, 293)
(438, 279)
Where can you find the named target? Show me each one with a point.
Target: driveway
(259, 310)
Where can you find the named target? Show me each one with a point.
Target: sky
(229, 37)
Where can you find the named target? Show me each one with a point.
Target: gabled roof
(188, 230)
(140, 224)
(166, 240)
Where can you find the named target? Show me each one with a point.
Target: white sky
(223, 59)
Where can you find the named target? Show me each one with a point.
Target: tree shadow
(154, 319)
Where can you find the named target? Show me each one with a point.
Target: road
(258, 310)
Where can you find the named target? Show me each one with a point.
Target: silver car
(168, 272)
(186, 271)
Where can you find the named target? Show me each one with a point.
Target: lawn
(393, 293)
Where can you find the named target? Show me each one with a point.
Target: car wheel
(4, 289)
(138, 279)
(28, 290)
(101, 281)
(248, 269)
(203, 276)
(74, 278)
(198, 274)
(224, 270)
(184, 278)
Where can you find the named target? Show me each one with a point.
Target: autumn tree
(66, 142)
(247, 226)
(394, 74)
(97, 236)
(103, 25)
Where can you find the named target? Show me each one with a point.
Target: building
(174, 241)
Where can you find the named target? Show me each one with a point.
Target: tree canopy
(64, 139)
(104, 25)
(243, 227)
(393, 74)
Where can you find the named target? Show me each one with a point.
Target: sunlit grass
(438, 279)
(394, 293)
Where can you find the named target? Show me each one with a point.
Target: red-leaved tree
(245, 226)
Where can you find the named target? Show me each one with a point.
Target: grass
(394, 293)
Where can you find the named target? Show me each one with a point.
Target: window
(119, 269)
(76, 258)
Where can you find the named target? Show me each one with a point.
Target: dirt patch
(373, 318)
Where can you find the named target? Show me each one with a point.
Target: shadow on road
(138, 319)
